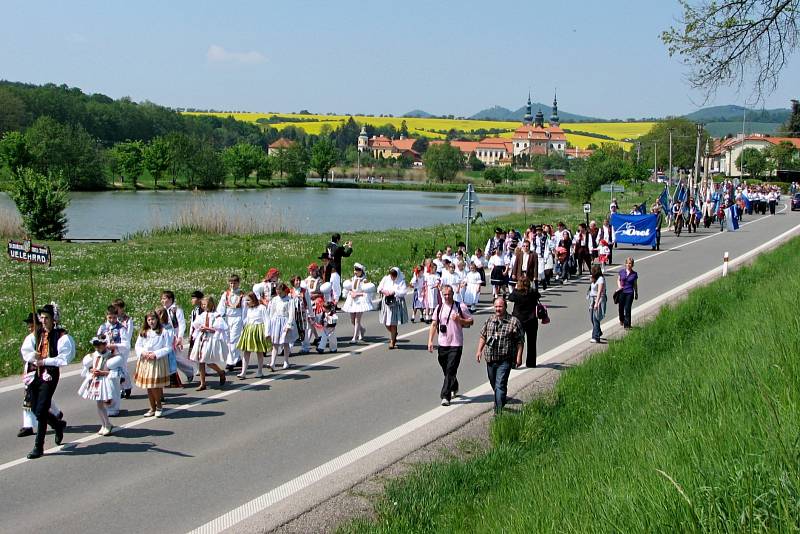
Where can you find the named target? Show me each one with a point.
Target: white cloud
(218, 54)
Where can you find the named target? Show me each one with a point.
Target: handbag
(616, 296)
(541, 313)
(390, 300)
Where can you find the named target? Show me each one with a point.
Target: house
(280, 144)
(467, 148)
(722, 157)
(381, 146)
(495, 151)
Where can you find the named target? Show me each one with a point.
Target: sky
(605, 59)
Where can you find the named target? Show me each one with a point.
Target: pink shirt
(455, 333)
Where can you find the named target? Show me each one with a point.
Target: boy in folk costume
(311, 285)
(177, 320)
(29, 421)
(117, 342)
(197, 309)
(327, 328)
(230, 308)
(265, 289)
(330, 274)
(126, 381)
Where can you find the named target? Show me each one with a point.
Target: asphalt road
(217, 450)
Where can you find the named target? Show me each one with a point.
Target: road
(216, 450)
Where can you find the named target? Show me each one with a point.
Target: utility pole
(655, 160)
(696, 159)
(669, 179)
(638, 150)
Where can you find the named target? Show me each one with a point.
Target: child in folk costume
(311, 285)
(197, 309)
(327, 330)
(451, 278)
(418, 300)
(603, 253)
(497, 270)
(359, 300)
(166, 326)
(126, 382)
(210, 344)
(301, 304)
(431, 291)
(254, 335)
(118, 343)
(177, 320)
(230, 308)
(282, 328)
(29, 421)
(152, 370)
(265, 289)
(101, 383)
(473, 289)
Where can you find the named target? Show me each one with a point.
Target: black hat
(48, 309)
(324, 256)
(99, 340)
(498, 230)
(197, 294)
(31, 318)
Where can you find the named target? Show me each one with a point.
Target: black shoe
(60, 415)
(60, 432)
(34, 454)
(25, 431)
(127, 393)
(229, 368)
(319, 350)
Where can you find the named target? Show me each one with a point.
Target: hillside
(418, 114)
(499, 113)
(732, 113)
(722, 129)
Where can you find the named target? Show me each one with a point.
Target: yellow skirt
(152, 373)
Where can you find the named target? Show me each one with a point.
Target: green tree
(420, 145)
(753, 161)
(792, 126)
(181, 148)
(264, 168)
(684, 143)
(128, 155)
(784, 155)
(493, 174)
(280, 161)
(323, 157)
(41, 200)
(735, 42)
(13, 113)
(403, 128)
(241, 160)
(206, 167)
(443, 161)
(155, 157)
(296, 165)
(509, 174)
(14, 152)
(475, 164)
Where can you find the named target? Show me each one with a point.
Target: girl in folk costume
(230, 308)
(431, 291)
(254, 334)
(497, 270)
(473, 287)
(282, 328)
(439, 263)
(126, 382)
(118, 342)
(393, 312)
(101, 383)
(604, 253)
(359, 300)
(461, 272)
(301, 304)
(480, 264)
(210, 344)
(265, 289)
(418, 300)
(311, 285)
(172, 364)
(152, 370)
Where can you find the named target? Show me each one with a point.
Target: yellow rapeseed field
(434, 128)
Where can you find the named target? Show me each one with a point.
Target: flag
(643, 208)
(731, 221)
(664, 200)
(682, 193)
(746, 201)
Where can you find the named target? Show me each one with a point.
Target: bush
(42, 201)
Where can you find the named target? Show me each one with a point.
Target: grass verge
(687, 424)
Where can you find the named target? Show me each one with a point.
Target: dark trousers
(625, 303)
(498, 378)
(41, 396)
(531, 328)
(449, 360)
(772, 205)
(658, 241)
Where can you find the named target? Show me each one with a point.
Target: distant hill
(504, 114)
(723, 129)
(735, 113)
(418, 114)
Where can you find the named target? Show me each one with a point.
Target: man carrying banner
(659, 223)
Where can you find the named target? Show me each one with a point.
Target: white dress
(361, 303)
(100, 388)
(396, 313)
(473, 290)
(431, 290)
(281, 315)
(210, 347)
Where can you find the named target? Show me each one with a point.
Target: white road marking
(305, 480)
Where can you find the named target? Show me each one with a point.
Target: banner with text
(635, 229)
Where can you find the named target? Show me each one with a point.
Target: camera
(492, 342)
(442, 328)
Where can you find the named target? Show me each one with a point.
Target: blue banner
(634, 229)
(664, 200)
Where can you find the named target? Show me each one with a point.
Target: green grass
(85, 277)
(689, 424)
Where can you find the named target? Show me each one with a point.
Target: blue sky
(605, 58)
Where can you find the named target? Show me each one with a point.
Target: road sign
(587, 208)
(612, 188)
(468, 201)
(28, 252)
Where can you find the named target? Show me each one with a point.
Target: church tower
(554, 120)
(539, 120)
(363, 140)
(528, 117)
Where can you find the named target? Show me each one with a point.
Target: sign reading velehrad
(634, 229)
(28, 252)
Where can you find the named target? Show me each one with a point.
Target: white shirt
(177, 312)
(256, 315)
(65, 348)
(160, 344)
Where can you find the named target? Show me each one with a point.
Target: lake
(114, 214)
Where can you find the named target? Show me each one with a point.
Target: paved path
(216, 450)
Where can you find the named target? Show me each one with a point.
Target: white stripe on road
(261, 503)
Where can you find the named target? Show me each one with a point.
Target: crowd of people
(263, 326)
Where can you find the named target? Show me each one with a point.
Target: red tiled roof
(466, 147)
(282, 143)
(403, 144)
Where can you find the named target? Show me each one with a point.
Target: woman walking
(152, 370)
(525, 300)
(628, 282)
(210, 347)
(393, 307)
(596, 299)
(359, 300)
(254, 334)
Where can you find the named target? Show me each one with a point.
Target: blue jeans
(498, 378)
(595, 318)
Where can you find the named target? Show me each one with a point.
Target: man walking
(449, 320)
(336, 252)
(501, 342)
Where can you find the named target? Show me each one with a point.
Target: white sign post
(468, 201)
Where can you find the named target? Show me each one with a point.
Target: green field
(688, 424)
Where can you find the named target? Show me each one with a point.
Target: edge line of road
(304, 481)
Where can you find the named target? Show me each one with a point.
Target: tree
(443, 161)
(280, 161)
(264, 168)
(474, 163)
(404, 128)
(206, 167)
(129, 158)
(241, 160)
(792, 126)
(296, 165)
(684, 144)
(753, 161)
(181, 148)
(420, 145)
(509, 175)
(13, 114)
(41, 200)
(323, 157)
(14, 152)
(735, 42)
(493, 174)
(155, 157)
(784, 155)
